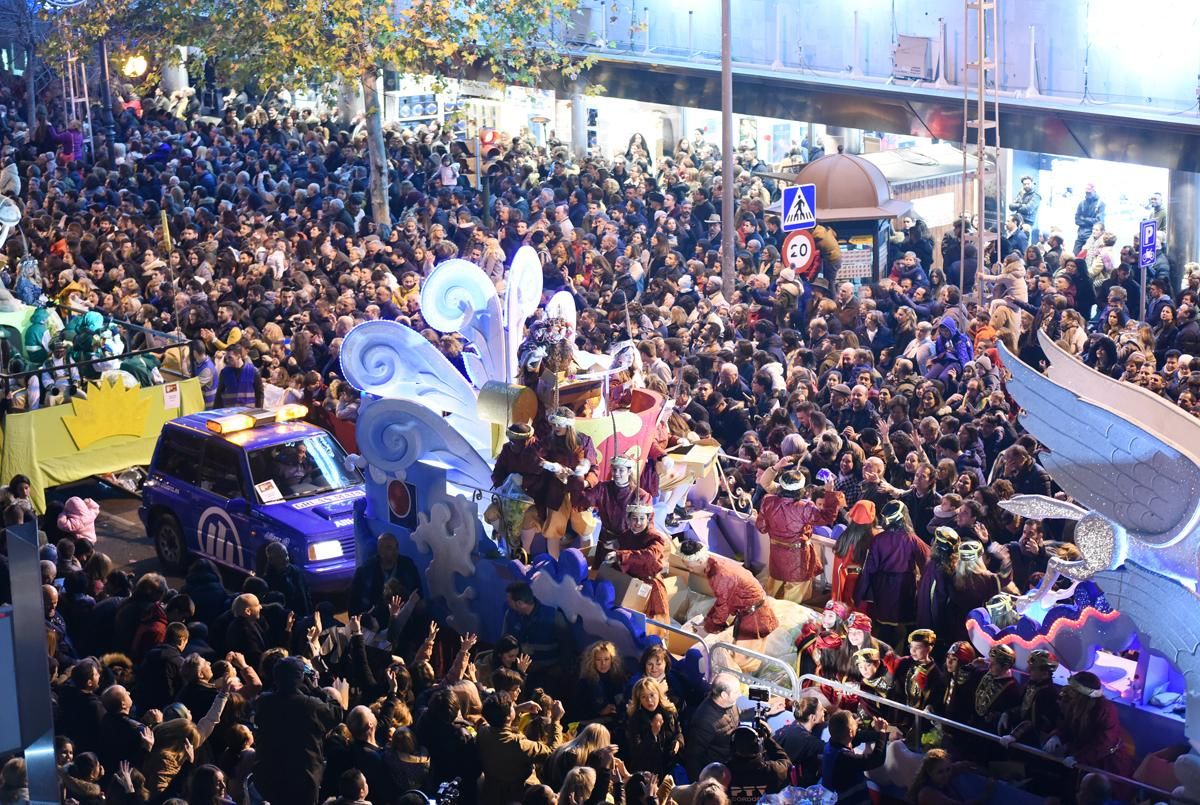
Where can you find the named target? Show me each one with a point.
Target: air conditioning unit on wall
(911, 58)
(579, 25)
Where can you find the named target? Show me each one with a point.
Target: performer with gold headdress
(917, 675)
(559, 491)
(998, 690)
(1033, 720)
(640, 550)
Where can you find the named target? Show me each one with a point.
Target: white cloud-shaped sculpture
(458, 297)
(390, 360)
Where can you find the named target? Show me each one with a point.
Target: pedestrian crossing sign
(799, 207)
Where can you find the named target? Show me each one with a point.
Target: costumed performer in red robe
(788, 517)
(739, 600)
(641, 552)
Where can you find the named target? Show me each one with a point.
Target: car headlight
(319, 551)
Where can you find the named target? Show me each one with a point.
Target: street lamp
(135, 67)
(727, 197)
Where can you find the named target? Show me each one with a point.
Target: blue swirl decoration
(390, 440)
(452, 292)
(386, 359)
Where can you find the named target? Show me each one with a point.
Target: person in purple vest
(239, 383)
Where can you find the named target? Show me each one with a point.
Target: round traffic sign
(800, 252)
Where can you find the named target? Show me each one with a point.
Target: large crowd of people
(877, 405)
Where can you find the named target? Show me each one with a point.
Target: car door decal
(218, 536)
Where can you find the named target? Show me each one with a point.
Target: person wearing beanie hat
(292, 722)
(1037, 715)
(956, 697)
(887, 585)
(998, 691)
(851, 550)
(787, 518)
(639, 550)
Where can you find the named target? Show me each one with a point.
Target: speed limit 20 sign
(800, 253)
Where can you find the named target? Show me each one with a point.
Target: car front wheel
(169, 543)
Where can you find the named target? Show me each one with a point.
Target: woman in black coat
(652, 733)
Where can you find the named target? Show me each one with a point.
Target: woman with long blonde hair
(577, 786)
(652, 731)
(601, 683)
(932, 783)
(575, 753)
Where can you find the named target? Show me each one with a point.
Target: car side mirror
(237, 505)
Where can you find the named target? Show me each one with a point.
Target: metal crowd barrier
(988, 736)
(749, 679)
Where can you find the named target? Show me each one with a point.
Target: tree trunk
(377, 152)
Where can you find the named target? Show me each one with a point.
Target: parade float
(1128, 610)
(429, 435)
(103, 403)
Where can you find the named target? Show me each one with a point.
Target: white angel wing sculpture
(1103, 455)
(522, 296)
(1130, 458)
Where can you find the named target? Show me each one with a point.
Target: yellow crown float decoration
(110, 409)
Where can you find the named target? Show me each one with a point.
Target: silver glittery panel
(1040, 507)
(1095, 540)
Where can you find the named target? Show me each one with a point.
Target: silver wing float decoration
(1133, 460)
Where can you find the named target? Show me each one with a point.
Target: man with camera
(758, 765)
(843, 769)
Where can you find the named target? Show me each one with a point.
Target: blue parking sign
(1148, 244)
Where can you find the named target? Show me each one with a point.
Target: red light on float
(399, 499)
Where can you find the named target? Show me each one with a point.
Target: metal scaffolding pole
(981, 115)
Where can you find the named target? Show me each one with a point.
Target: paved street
(119, 531)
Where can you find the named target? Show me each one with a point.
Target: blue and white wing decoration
(390, 360)
(458, 297)
(522, 295)
(1134, 462)
(393, 434)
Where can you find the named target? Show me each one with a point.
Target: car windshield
(310, 466)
